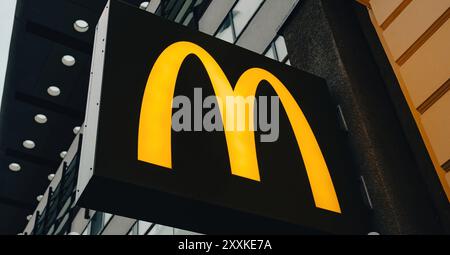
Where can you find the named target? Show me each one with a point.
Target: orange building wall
(416, 37)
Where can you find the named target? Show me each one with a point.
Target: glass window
(143, 227)
(133, 229)
(242, 12)
(277, 50)
(87, 230)
(236, 20)
(97, 223)
(281, 49)
(183, 10)
(106, 218)
(270, 53)
(225, 31)
(161, 230)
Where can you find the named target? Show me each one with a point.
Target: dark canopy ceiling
(43, 33)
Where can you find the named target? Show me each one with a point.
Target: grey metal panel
(183, 232)
(79, 222)
(89, 128)
(214, 15)
(118, 225)
(265, 25)
(153, 5)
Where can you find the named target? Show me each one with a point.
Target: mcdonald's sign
(214, 182)
(154, 139)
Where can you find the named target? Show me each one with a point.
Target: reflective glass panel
(242, 12)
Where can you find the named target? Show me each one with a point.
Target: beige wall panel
(436, 122)
(429, 67)
(383, 8)
(417, 17)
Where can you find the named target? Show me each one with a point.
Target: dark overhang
(43, 33)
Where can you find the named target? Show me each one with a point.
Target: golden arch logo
(154, 141)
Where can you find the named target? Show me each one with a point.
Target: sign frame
(103, 187)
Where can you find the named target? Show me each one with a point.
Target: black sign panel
(198, 191)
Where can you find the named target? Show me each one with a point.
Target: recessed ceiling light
(143, 5)
(39, 198)
(76, 130)
(29, 217)
(15, 167)
(68, 60)
(51, 176)
(81, 26)
(53, 91)
(28, 144)
(40, 118)
(63, 154)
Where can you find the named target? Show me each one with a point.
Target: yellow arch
(154, 140)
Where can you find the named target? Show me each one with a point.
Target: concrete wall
(324, 37)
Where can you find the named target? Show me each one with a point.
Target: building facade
(385, 64)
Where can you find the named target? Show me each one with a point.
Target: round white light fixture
(29, 217)
(28, 144)
(63, 154)
(39, 198)
(50, 177)
(40, 118)
(68, 60)
(15, 167)
(53, 91)
(143, 5)
(76, 130)
(81, 26)
(373, 234)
